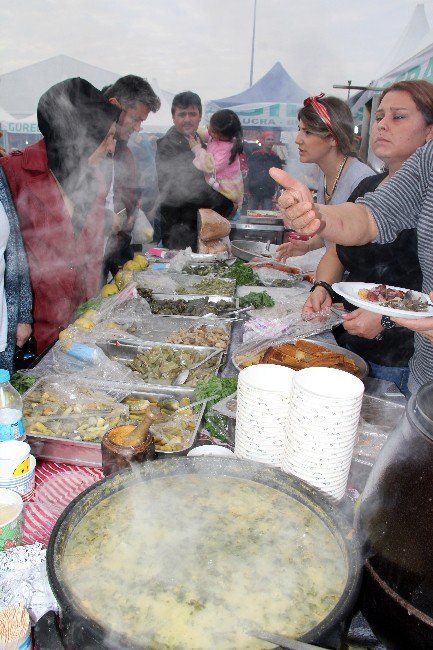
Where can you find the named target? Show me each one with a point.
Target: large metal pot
(396, 522)
(79, 631)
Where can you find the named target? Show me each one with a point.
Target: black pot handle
(47, 634)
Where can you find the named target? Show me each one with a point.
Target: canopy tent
(415, 49)
(21, 89)
(273, 101)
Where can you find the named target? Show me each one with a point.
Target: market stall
(162, 350)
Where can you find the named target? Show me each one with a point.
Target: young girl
(220, 161)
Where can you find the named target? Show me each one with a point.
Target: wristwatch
(387, 323)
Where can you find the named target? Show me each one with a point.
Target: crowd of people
(70, 202)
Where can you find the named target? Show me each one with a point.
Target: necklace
(328, 196)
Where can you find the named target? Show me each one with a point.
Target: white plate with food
(385, 299)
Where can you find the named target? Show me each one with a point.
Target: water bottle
(11, 410)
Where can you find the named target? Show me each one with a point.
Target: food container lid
(422, 408)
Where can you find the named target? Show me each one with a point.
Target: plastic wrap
(261, 332)
(97, 366)
(272, 277)
(65, 408)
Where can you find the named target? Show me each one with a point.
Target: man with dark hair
(183, 188)
(136, 98)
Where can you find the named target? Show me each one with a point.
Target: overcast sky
(205, 45)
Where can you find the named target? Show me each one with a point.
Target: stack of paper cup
(323, 420)
(263, 405)
(17, 468)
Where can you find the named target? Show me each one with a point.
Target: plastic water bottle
(11, 410)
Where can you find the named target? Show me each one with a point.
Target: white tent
(161, 121)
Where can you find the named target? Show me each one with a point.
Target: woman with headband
(326, 138)
(404, 202)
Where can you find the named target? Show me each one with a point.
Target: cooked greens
(256, 299)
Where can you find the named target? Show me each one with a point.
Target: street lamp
(252, 44)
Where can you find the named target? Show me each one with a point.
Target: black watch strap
(387, 323)
(321, 283)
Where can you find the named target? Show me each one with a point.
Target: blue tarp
(275, 86)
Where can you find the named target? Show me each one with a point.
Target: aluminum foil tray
(159, 328)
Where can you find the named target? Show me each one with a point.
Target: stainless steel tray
(159, 328)
(124, 351)
(230, 301)
(362, 365)
(176, 281)
(88, 454)
(247, 250)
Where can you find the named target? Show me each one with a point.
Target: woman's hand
(423, 326)
(296, 204)
(192, 141)
(23, 333)
(317, 300)
(292, 248)
(362, 323)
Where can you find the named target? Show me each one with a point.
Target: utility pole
(252, 44)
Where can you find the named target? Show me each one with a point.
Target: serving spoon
(283, 641)
(183, 375)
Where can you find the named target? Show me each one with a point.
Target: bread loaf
(212, 225)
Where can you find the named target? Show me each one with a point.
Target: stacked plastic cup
(263, 406)
(322, 425)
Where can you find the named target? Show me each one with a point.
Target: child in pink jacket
(220, 161)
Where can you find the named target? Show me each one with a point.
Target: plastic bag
(286, 330)
(181, 259)
(142, 232)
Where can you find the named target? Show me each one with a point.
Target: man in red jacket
(60, 197)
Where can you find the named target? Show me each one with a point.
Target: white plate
(349, 291)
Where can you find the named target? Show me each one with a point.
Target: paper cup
(11, 519)
(14, 458)
(22, 484)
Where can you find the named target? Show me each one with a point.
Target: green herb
(243, 274)
(216, 388)
(256, 299)
(22, 382)
(93, 303)
(209, 287)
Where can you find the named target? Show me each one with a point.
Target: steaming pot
(80, 631)
(396, 520)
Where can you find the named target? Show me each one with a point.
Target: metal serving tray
(180, 281)
(231, 303)
(88, 454)
(362, 365)
(159, 328)
(123, 351)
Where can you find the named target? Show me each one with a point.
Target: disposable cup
(22, 484)
(329, 382)
(11, 519)
(268, 377)
(14, 458)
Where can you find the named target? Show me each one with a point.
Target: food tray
(247, 250)
(362, 365)
(279, 294)
(159, 328)
(88, 454)
(176, 281)
(124, 351)
(231, 302)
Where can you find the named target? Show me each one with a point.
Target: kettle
(395, 521)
